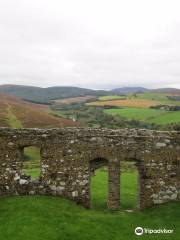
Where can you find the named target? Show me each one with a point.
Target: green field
(146, 114)
(162, 98)
(159, 97)
(54, 218)
(135, 113)
(168, 117)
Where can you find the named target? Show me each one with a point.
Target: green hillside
(168, 117)
(159, 97)
(135, 113)
(149, 115)
(146, 114)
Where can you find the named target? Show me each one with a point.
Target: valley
(71, 106)
(141, 110)
(27, 217)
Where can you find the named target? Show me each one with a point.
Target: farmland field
(111, 97)
(73, 100)
(159, 97)
(135, 100)
(137, 103)
(168, 117)
(146, 114)
(140, 100)
(137, 107)
(135, 113)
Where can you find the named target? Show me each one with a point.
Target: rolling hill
(15, 112)
(167, 90)
(44, 95)
(127, 90)
(130, 90)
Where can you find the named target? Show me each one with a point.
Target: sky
(99, 44)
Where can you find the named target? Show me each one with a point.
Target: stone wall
(70, 155)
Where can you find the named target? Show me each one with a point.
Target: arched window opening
(31, 162)
(130, 184)
(99, 183)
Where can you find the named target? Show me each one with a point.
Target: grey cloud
(96, 44)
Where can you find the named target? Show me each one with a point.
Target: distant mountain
(167, 90)
(127, 90)
(44, 95)
(29, 115)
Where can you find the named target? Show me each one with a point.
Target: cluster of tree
(166, 107)
(175, 98)
(95, 117)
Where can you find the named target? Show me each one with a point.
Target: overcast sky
(90, 43)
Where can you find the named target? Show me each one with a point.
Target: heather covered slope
(18, 113)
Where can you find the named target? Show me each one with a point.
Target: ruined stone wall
(68, 156)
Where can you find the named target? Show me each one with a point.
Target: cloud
(96, 44)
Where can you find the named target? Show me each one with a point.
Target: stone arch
(139, 165)
(113, 166)
(97, 163)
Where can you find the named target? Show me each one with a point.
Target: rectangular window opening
(31, 162)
